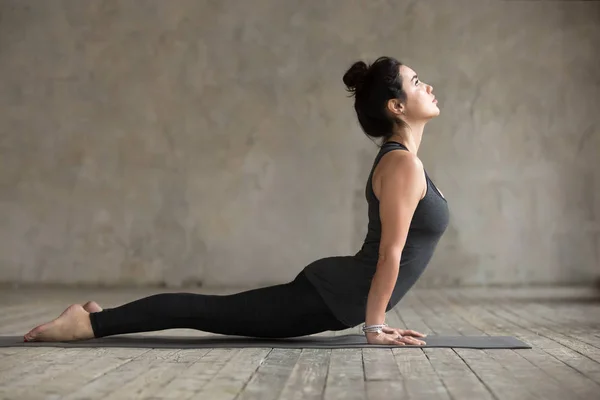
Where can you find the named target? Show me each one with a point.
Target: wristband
(374, 328)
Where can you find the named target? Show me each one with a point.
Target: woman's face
(420, 101)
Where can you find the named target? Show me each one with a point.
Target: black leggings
(286, 310)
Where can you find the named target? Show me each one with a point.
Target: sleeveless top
(344, 281)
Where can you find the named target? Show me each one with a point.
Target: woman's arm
(401, 189)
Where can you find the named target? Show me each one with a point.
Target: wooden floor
(562, 325)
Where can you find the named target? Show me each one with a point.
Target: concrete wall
(179, 142)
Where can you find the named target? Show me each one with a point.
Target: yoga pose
(407, 217)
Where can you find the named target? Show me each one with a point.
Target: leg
(286, 310)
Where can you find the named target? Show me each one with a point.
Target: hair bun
(354, 77)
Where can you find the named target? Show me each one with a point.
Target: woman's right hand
(392, 339)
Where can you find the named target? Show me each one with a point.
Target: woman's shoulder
(403, 166)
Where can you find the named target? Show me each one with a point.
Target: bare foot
(92, 307)
(72, 324)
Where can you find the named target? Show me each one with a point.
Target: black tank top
(344, 281)
(429, 221)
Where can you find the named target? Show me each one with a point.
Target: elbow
(390, 253)
(388, 264)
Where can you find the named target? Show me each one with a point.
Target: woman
(407, 217)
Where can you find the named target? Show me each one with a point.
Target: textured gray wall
(193, 141)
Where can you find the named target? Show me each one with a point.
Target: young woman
(407, 217)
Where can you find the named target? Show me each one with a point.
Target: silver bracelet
(374, 328)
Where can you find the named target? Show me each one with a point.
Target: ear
(395, 107)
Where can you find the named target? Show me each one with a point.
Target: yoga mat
(309, 342)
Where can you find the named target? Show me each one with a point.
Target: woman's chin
(433, 114)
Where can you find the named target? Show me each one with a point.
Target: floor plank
(307, 380)
(204, 366)
(345, 378)
(270, 377)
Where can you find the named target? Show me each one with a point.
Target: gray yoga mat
(309, 342)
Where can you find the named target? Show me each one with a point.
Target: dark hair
(372, 86)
